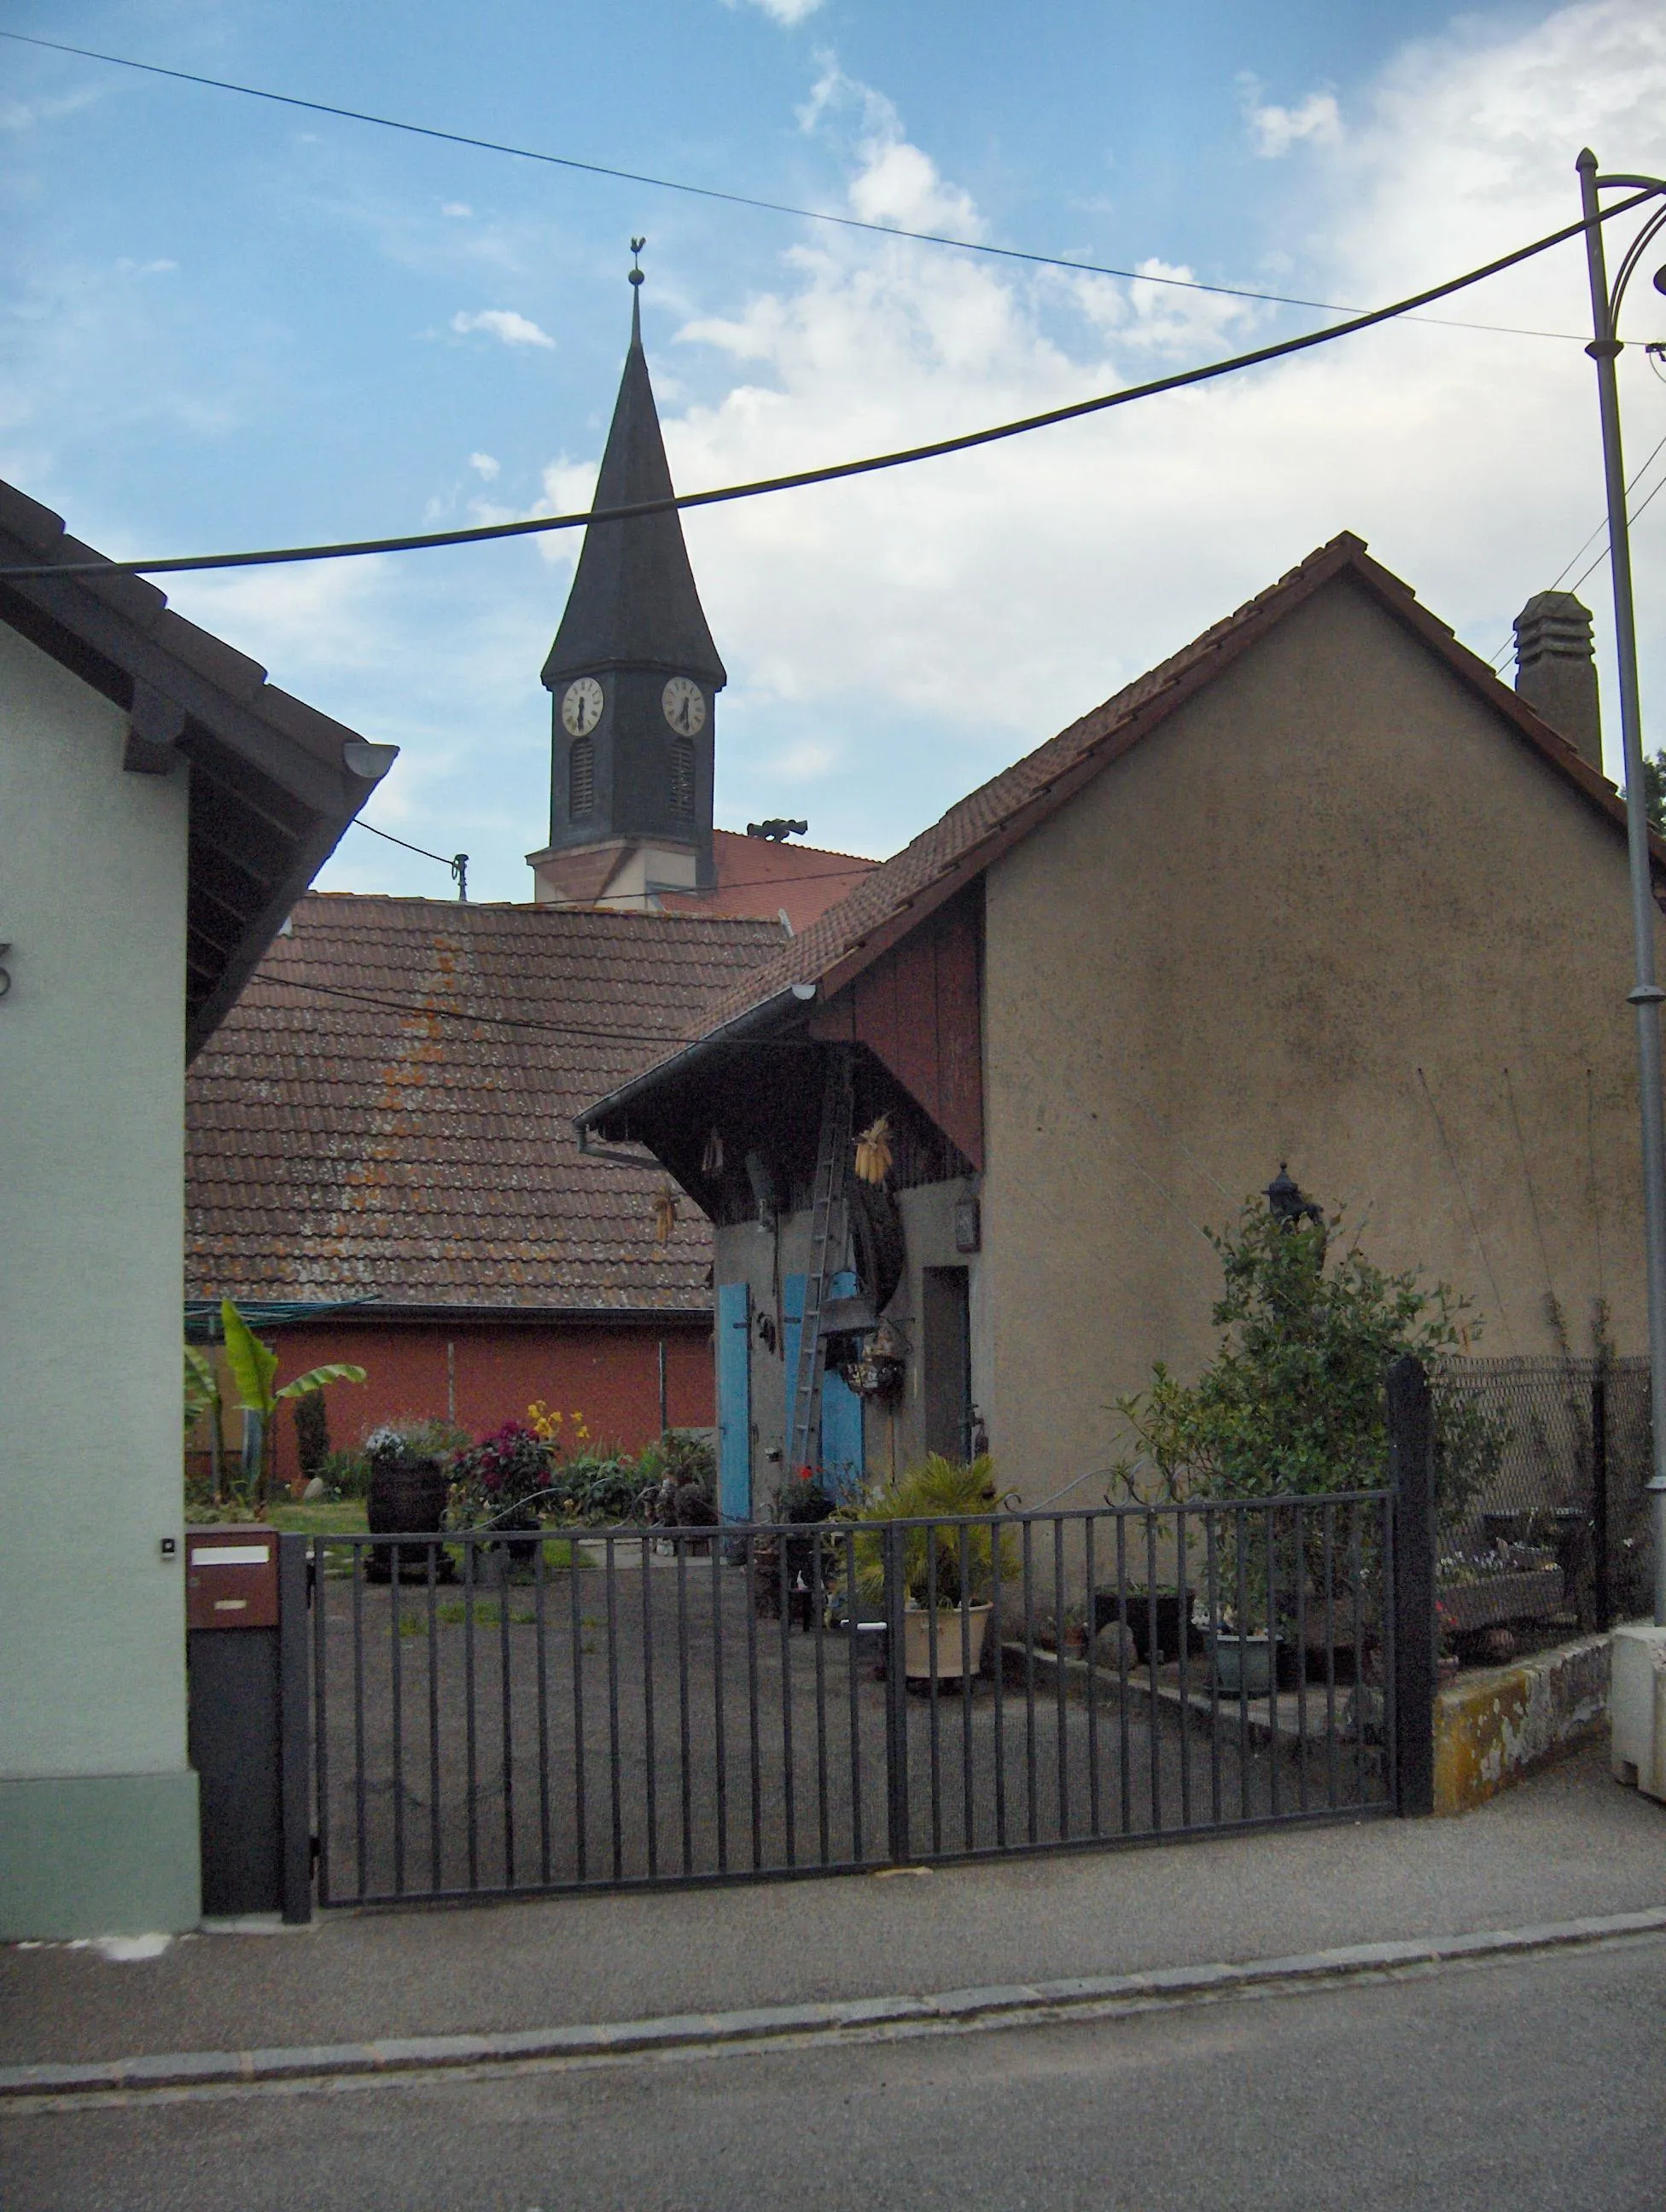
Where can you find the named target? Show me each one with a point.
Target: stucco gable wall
(1332, 867)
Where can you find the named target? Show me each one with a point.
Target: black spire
(633, 603)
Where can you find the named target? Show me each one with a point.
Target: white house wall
(98, 1806)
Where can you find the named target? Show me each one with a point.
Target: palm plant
(934, 1500)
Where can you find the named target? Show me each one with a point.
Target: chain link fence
(1541, 1469)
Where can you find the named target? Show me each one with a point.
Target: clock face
(581, 706)
(685, 703)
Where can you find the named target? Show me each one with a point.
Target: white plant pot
(960, 1634)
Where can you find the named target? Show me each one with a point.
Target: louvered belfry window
(681, 776)
(581, 778)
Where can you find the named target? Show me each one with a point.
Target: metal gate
(500, 1714)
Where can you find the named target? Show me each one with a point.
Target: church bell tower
(634, 677)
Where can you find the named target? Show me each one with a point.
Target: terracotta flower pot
(960, 1635)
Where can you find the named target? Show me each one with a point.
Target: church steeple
(633, 603)
(634, 676)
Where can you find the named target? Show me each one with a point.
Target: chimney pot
(1556, 669)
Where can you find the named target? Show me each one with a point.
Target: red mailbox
(231, 1577)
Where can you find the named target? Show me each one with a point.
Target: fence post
(294, 1734)
(1601, 1591)
(1411, 1473)
(896, 1700)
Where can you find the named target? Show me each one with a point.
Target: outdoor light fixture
(1646, 995)
(1285, 1203)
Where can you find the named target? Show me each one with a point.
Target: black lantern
(1285, 1203)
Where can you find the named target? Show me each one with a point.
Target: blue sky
(230, 323)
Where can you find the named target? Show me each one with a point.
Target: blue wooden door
(839, 1455)
(734, 1400)
(843, 1462)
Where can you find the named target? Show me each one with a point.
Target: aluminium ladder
(828, 1230)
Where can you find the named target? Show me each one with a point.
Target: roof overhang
(608, 1117)
(273, 784)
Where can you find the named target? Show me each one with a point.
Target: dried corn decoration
(664, 1215)
(873, 1151)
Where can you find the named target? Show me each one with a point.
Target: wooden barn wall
(919, 1010)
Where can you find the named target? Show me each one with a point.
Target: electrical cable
(458, 1014)
(446, 860)
(731, 199)
(1642, 509)
(858, 867)
(1509, 646)
(836, 471)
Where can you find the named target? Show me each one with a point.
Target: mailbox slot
(231, 1578)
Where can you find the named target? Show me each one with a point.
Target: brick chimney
(1556, 669)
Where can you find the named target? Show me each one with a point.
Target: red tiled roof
(889, 903)
(756, 876)
(387, 1111)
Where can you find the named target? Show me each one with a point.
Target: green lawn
(342, 1517)
(345, 1517)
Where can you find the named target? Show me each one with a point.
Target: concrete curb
(1014, 2004)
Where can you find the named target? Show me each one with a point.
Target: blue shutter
(791, 1324)
(843, 1464)
(734, 1400)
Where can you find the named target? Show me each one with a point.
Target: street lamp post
(1646, 995)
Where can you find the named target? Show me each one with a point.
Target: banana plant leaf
(315, 1378)
(201, 1388)
(252, 1364)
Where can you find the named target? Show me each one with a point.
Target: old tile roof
(902, 890)
(387, 1111)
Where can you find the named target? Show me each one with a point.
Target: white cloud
(484, 466)
(503, 323)
(1274, 131)
(981, 602)
(459, 210)
(783, 11)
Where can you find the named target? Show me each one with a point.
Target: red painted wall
(611, 1375)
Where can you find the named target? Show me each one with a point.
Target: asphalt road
(1532, 2085)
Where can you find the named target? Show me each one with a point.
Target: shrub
(1292, 1402)
(345, 1474)
(311, 1433)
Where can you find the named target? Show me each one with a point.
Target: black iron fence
(497, 1714)
(1544, 1520)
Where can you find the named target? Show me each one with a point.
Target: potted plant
(945, 1615)
(409, 1478)
(1244, 1657)
(498, 1483)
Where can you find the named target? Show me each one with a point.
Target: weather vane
(637, 246)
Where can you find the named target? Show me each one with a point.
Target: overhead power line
(464, 1014)
(856, 866)
(836, 471)
(1505, 651)
(457, 862)
(713, 192)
